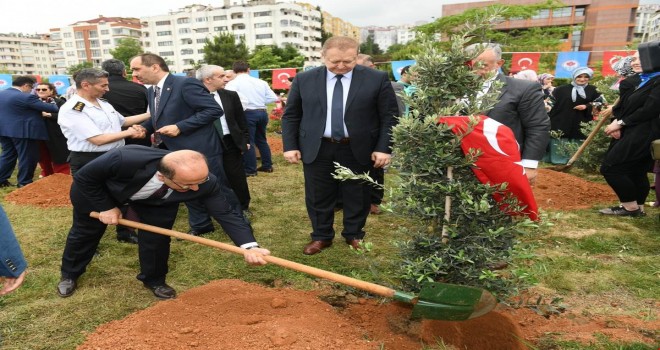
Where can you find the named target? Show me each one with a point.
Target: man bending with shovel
(154, 182)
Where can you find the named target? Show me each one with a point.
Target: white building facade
(23, 54)
(180, 36)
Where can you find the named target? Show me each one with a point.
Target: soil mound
(51, 191)
(563, 191)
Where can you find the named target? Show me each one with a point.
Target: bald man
(154, 182)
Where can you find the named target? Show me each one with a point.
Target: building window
(106, 42)
(96, 53)
(93, 34)
(164, 33)
(186, 41)
(202, 30)
(542, 14)
(263, 25)
(562, 12)
(220, 29)
(80, 44)
(163, 23)
(262, 14)
(78, 35)
(575, 40)
(166, 53)
(187, 51)
(579, 11)
(66, 35)
(219, 18)
(201, 19)
(164, 43)
(94, 43)
(264, 36)
(68, 44)
(238, 26)
(183, 20)
(201, 41)
(200, 51)
(105, 32)
(184, 30)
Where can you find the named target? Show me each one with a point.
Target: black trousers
(232, 161)
(86, 233)
(629, 180)
(322, 191)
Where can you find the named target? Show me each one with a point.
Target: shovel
(436, 301)
(604, 116)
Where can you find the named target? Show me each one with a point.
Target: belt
(343, 141)
(256, 109)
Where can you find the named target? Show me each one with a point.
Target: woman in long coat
(571, 106)
(636, 125)
(54, 152)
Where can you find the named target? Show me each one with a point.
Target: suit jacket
(20, 115)
(521, 108)
(369, 115)
(186, 103)
(110, 180)
(12, 262)
(235, 117)
(127, 98)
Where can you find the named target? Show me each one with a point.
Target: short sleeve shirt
(79, 124)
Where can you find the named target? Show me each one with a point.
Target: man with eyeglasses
(21, 129)
(154, 181)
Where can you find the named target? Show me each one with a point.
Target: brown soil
(231, 314)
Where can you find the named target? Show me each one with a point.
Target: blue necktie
(337, 112)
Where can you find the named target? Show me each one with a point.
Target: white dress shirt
(257, 91)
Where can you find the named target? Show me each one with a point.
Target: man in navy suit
(182, 116)
(21, 128)
(343, 113)
(154, 181)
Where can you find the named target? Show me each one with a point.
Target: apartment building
(646, 22)
(600, 25)
(338, 27)
(92, 40)
(180, 35)
(27, 54)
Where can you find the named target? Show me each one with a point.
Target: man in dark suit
(520, 107)
(233, 130)
(182, 116)
(21, 128)
(127, 98)
(154, 181)
(341, 113)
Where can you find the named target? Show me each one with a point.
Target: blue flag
(5, 81)
(398, 65)
(567, 62)
(254, 73)
(61, 83)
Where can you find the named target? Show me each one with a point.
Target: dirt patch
(232, 314)
(275, 144)
(563, 191)
(51, 191)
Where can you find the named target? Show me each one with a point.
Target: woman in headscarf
(636, 124)
(572, 106)
(546, 80)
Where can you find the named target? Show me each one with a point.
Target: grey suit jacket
(521, 108)
(369, 115)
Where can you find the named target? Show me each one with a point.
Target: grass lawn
(584, 258)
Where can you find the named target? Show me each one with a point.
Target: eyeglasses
(42, 89)
(187, 187)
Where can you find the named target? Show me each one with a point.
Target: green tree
(71, 70)
(289, 56)
(126, 49)
(264, 58)
(223, 50)
(369, 47)
(324, 35)
(406, 51)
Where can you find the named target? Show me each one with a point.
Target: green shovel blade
(449, 302)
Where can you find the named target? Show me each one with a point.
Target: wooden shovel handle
(604, 116)
(366, 286)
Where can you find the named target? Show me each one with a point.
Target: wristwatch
(620, 122)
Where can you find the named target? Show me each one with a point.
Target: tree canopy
(71, 70)
(126, 49)
(222, 50)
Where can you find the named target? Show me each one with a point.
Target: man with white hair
(520, 106)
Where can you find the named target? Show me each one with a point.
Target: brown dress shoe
(315, 247)
(374, 209)
(354, 243)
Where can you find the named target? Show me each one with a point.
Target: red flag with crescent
(525, 60)
(499, 161)
(611, 57)
(281, 78)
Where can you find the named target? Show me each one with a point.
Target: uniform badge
(79, 106)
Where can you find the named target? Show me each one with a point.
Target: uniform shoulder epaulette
(102, 99)
(79, 106)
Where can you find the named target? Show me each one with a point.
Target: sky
(37, 16)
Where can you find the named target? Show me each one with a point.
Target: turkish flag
(611, 57)
(281, 78)
(500, 160)
(525, 60)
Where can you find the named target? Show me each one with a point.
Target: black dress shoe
(250, 174)
(131, 238)
(265, 170)
(66, 287)
(200, 232)
(162, 291)
(6, 184)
